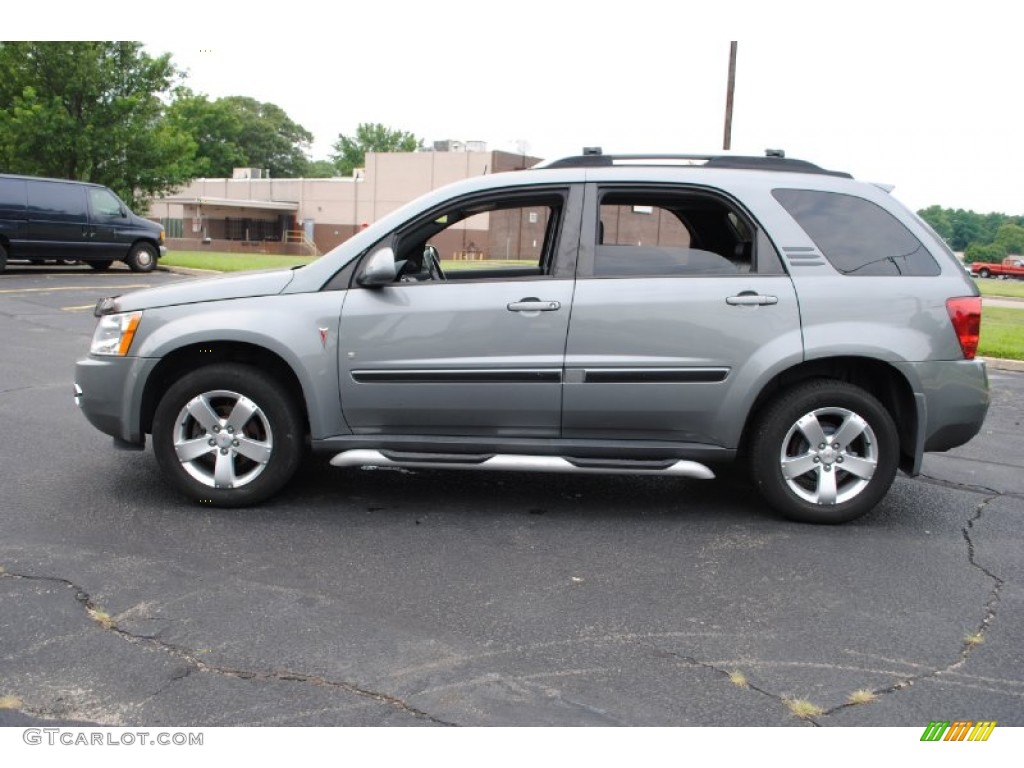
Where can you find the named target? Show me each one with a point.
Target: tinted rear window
(56, 199)
(12, 194)
(857, 236)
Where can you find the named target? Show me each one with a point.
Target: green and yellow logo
(958, 730)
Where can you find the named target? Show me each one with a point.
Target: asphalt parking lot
(378, 597)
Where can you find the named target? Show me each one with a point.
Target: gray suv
(654, 315)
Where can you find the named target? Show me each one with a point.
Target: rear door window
(673, 233)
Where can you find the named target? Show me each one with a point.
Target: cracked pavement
(440, 599)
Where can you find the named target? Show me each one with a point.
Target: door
(470, 338)
(681, 310)
(109, 218)
(58, 223)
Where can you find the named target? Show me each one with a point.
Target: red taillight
(965, 312)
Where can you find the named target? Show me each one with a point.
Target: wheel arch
(188, 358)
(881, 379)
(145, 240)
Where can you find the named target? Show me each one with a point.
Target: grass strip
(1013, 289)
(1002, 333)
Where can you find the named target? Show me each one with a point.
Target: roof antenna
(592, 151)
(775, 153)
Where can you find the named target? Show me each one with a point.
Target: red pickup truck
(1012, 266)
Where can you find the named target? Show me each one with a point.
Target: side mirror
(379, 269)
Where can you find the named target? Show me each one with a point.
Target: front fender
(301, 329)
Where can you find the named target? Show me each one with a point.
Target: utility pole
(727, 141)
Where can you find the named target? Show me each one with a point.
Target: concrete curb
(189, 271)
(1002, 364)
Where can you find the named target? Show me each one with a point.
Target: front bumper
(109, 393)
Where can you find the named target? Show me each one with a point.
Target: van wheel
(142, 258)
(228, 435)
(100, 266)
(824, 452)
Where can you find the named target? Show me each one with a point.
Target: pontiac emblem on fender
(323, 337)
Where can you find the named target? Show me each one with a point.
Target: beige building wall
(338, 207)
(249, 214)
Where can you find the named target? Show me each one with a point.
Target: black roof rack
(775, 161)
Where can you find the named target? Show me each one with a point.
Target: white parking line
(73, 288)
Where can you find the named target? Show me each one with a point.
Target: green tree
(1010, 237)
(961, 229)
(321, 169)
(268, 137)
(939, 219)
(92, 111)
(214, 127)
(967, 229)
(350, 151)
(991, 253)
(238, 131)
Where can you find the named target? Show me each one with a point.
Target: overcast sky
(918, 95)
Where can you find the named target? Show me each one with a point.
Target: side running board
(501, 462)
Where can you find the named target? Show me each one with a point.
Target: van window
(104, 203)
(56, 200)
(12, 194)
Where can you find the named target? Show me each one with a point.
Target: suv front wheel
(824, 452)
(228, 435)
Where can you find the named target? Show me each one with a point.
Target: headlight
(114, 334)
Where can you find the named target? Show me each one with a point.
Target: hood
(143, 223)
(237, 286)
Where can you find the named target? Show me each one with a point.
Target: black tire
(100, 266)
(142, 258)
(983, 272)
(270, 424)
(3, 257)
(830, 491)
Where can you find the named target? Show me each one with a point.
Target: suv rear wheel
(825, 452)
(228, 435)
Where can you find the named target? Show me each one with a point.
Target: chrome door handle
(751, 299)
(534, 305)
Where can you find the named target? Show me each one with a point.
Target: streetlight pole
(727, 141)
